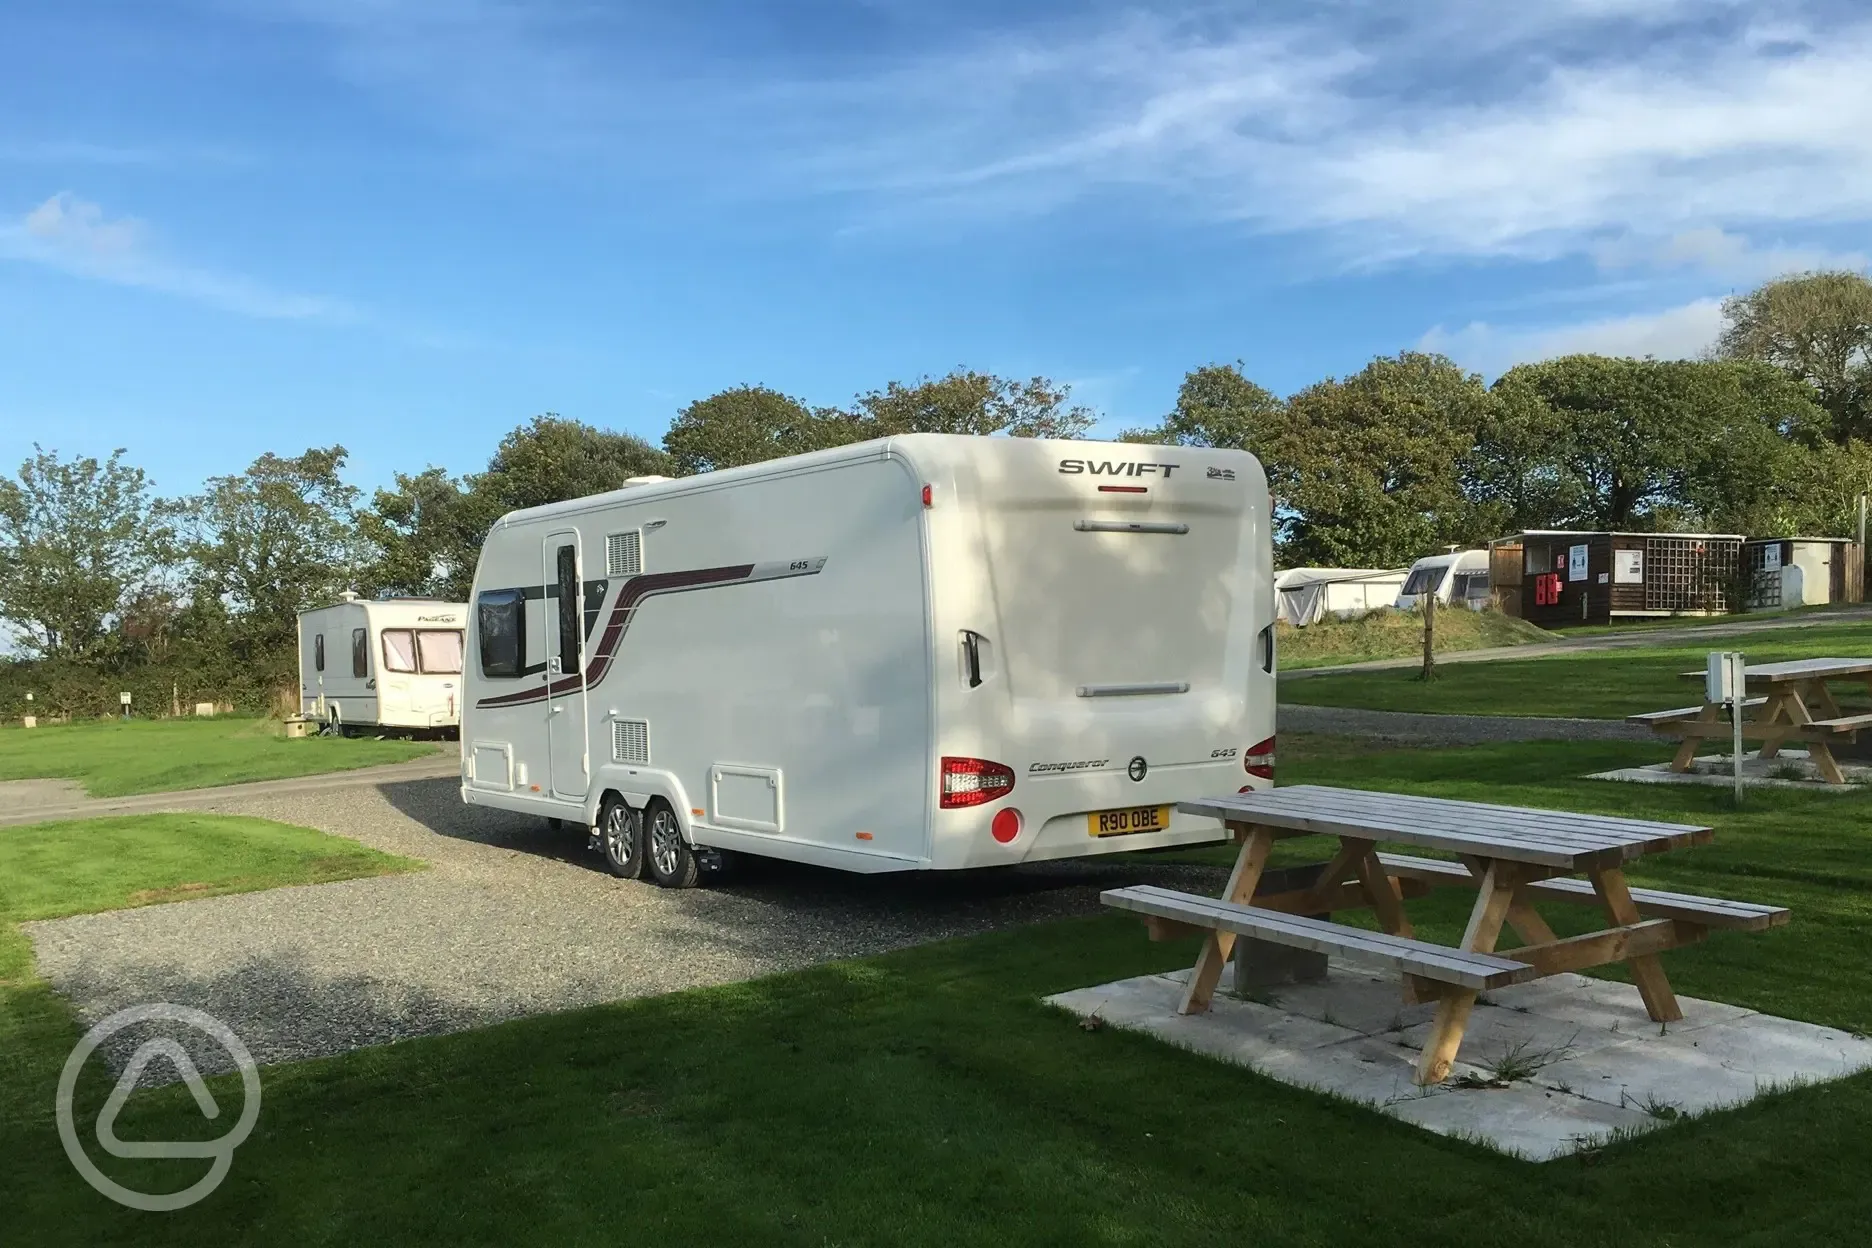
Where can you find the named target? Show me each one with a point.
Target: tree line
(104, 585)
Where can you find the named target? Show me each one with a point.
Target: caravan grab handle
(1267, 650)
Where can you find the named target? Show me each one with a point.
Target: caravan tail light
(929, 496)
(974, 782)
(1259, 759)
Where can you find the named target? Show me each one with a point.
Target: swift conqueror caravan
(922, 653)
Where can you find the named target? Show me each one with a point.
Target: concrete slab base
(1546, 1068)
(1789, 769)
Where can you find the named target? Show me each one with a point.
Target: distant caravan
(921, 653)
(390, 664)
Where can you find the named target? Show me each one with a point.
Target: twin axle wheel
(651, 840)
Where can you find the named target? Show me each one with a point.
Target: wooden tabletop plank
(1522, 834)
(1603, 829)
(1598, 830)
(1794, 670)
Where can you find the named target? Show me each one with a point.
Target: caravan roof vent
(348, 596)
(650, 480)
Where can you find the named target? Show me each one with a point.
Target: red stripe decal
(634, 591)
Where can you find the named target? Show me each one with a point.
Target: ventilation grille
(630, 741)
(624, 553)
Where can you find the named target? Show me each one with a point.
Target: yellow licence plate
(1129, 820)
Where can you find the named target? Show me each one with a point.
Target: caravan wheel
(672, 863)
(621, 838)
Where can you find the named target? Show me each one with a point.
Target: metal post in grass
(1725, 682)
(1429, 636)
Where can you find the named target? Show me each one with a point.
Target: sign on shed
(1576, 563)
(1628, 567)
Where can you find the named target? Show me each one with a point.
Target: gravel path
(39, 800)
(512, 918)
(1421, 729)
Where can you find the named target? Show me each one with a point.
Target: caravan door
(565, 666)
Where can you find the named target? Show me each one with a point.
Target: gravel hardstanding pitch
(512, 918)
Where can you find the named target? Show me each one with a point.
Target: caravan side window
(500, 625)
(360, 653)
(571, 614)
(318, 653)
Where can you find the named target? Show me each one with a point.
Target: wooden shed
(1803, 571)
(1556, 577)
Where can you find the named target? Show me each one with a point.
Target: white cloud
(1447, 129)
(1719, 252)
(1683, 332)
(75, 236)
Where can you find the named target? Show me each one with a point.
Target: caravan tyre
(672, 863)
(621, 838)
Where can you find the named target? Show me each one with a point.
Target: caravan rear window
(399, 650)
(500, 624)
(439, 650)
(360, 653)
(432, 651)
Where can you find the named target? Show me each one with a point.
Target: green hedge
(82, 690)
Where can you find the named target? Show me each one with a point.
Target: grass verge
(927, 1097)
(1594, 684)
(115, 758)
(82, 866)
(1389, 634)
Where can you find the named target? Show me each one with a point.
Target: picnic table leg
(1646, 970)
(1819, 695)
(1780, 703)
(1494, 899)
(1216, 945)
(1686, 753)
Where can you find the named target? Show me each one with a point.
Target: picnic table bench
(1513, 856)
(1783, 712)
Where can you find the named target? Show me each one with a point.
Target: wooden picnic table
(1784, 710)
(1513, 856)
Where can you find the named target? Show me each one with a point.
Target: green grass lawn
(927, 1096)
(1399, 634)
(1815, 615)
(81, 866)
(1596, 684)
(113, 758)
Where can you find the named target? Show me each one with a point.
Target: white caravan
(1460, 578)
(386, 663)
(921, 653)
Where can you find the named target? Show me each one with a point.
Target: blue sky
(231, 226)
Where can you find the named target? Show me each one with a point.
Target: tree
(1217, 405)
(750, 424)
(426, 534)
(268, 543)
(551, 459)
(969, 402)
(77, 538)
(1816, 327)
(1596, 442)
(1373, 463)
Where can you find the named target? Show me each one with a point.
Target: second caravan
(921, 653)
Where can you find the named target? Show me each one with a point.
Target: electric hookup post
(1724, 683)
(124, 699)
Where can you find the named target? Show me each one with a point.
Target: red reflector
(1258, 760)
(929, 495)
(1246, 788)
(1124, 489)
(974, 782)
(1006, 825)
